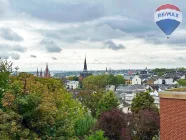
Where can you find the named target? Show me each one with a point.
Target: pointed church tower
(85, 65)
(37, 73)
(85, 72)
(47, 72)
(41, 73)
(106, 72)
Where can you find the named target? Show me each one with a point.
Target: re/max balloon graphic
(168, 17)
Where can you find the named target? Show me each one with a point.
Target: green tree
(84, 125)
(90, 100)
(98, 135)
(120, 79)
(73, 78)
(161, 71)
(143, 100)
(182, 82)
(145, 124)
(101, 81)
(107, 102)
(5, 71)
(98, 102)
(182, 69)
(44, 106)
(156, 137)
(11, 128)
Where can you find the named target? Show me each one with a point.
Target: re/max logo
(164, 14)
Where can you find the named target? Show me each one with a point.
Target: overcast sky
(119, 34)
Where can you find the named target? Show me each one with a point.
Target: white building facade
(136, 80)
(72, 85)
(167, 81)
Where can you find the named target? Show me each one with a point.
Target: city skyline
(118, 35)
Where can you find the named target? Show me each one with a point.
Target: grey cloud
(181, 58)
(4, 5)
(111, 45)
(4, 55)
(129, 19)
(15, 56)
(60, 11)
(33, 56)
(10, 51)
(83, 10)
(113, 28)
(127, 24)
(54, 58)
(19, 48)
(50, 46)
(88, 32)
(15, 48)
(102, 29)
(143, 10)
(174, 41)
(9, 34)
(177, 40)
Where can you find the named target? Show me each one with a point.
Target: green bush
(83, 125)
(98, 135)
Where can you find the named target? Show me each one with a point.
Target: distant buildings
(128, 79)
(46, 73)
(72, 84)
(85, 72)
(136, 80)
(146, 80)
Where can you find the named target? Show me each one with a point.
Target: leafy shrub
(107, 102)
(145, 124)
(83, 125)
(114, 124)
(98, 135)
(143, 100)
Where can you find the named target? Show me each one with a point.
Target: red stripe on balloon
(168, 6)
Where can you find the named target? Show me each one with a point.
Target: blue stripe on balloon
(168, 25)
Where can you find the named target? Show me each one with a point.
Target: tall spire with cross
(85, 65)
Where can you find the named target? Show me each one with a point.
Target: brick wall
(172, 119)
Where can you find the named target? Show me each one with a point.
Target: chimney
(172, 115)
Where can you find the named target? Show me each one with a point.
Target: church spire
(41, 73)
(47, 72)
(37, 73)
(85, 65)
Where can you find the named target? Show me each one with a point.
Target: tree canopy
(142, 100)
(101, 81)
(5, 71)
(98, 102)
(40, 108)
(114, 123)
(182, 82)
(161, 71)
